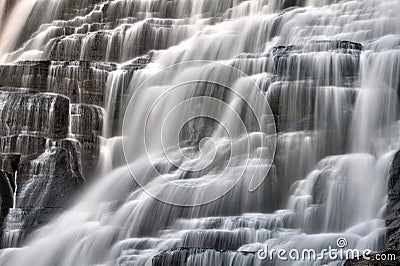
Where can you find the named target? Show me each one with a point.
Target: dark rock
(26, 145)
(12, 230)
(26, 74)
(295, 104)
(9, 162)
(35, 125)
(393, 206)
(73, 147)
(44, 186)
(36, 114)
(63, 154)
(81, 81)
(387, 258)
(219, 240)
(179, 256)
(107, 46)
(87, 127)
(6, 195)
(284, 4)
(86, 120)
(319, 46)
(305, 79)
(303, 62)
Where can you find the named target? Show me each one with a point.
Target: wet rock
(299, 105)
(64, 10)
(303, 80)
(34, 177)
(36, 114)
(393, 206)
(304, 62)
(180, 256)
(214, 239)
(70, 48)
(281, 5)
(387, 258)
(319, 46)
(26, 74)
(44, 186)
(9, 162)
(64, 154)
(81, 81)
(73, 147)
(87, 127)
(12, 230)
(148, 35)
(86, 120)
(26, 145)
(6, 195)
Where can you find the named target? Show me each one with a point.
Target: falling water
(18, 18)
(279, 132)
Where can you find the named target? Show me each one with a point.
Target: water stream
(280, 132)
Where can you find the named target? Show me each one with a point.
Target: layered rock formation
(51, 123)
(180, 256)
(58, 106)
(52, 109)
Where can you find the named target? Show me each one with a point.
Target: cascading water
(279, 132)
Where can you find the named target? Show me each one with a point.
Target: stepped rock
(180, 256)
(38, 114)
(44, 186)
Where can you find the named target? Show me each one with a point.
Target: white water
(14, 25)
(328, 179)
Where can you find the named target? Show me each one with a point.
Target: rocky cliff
(53, 120)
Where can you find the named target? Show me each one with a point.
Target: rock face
(52, 113)
(87, 127)
(306, 80)
(52, 109)
(81, 81)
(393, 208)
(180, 256)
(38, 165)
(35, 114)
(6, 194)
(34, 73)
(44, 184)
(392, 258)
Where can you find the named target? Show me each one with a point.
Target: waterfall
(219, 127)
(18, 19)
